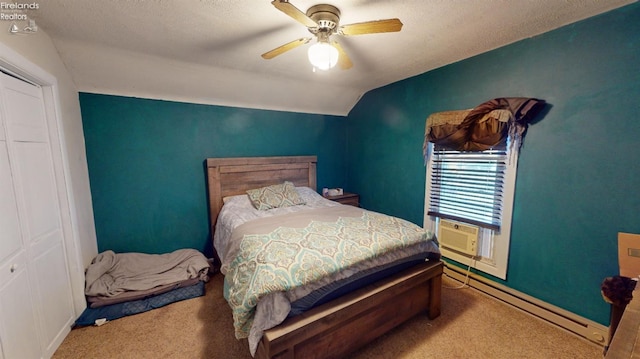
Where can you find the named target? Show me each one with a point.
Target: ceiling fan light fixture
(323, 55)
(323, 22)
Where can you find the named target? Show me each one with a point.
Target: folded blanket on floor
(110, 274)
(100, 301)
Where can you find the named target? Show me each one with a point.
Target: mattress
(361, 279)
(115, 311)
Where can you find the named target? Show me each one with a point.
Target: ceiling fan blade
(294, 12)
(371, 27)
(286, 47)
(343, 59)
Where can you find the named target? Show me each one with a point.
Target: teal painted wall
(146, 163)
(577, 177)
(578, 174)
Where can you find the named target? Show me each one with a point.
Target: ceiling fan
(323, 21)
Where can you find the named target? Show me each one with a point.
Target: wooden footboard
(345, 324)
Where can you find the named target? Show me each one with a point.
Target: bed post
(312, 176)
(435, 297)
(215, 204)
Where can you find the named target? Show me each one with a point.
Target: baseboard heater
(580, 326)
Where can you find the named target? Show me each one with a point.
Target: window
(475, 188)
(467, 186)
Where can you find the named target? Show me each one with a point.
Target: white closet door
(38, 210)
(10, 239)
(18, 330)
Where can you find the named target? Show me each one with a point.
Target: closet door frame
(21, 67)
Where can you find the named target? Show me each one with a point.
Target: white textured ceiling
(208, 51)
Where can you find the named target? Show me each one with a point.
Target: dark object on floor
(618, 291)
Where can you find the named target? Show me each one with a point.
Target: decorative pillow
(279, 195)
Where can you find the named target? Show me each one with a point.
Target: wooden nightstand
(351, 199)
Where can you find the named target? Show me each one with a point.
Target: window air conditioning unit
(458, 237)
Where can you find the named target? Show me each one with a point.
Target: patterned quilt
(286, 252)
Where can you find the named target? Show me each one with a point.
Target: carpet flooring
(471, 325)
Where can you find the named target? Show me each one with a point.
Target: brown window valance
(483, 127)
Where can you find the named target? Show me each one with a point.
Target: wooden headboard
(235, 175)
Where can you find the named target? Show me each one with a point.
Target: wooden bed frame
(345, 324)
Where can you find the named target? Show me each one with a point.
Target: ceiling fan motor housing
(326, 16)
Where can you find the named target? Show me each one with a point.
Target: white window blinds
(468, 186)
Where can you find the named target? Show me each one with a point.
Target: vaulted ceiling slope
(208, 51)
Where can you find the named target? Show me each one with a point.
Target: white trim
(24, 68)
